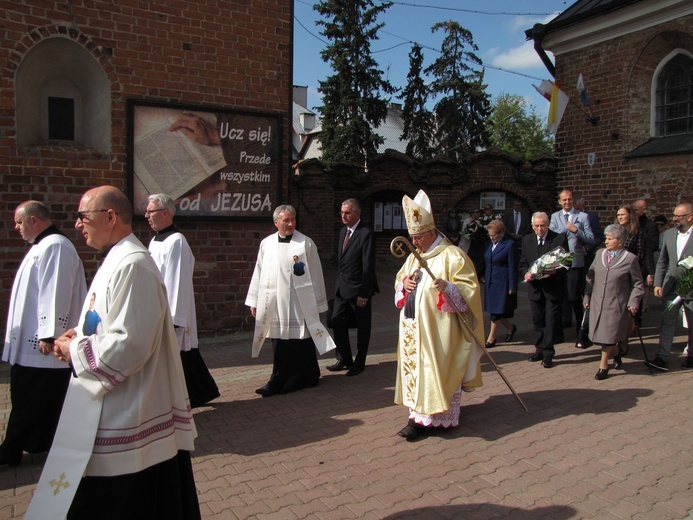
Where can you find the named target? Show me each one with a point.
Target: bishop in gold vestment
(437, 357)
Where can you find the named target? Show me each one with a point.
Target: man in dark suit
(354, 288)
(517, 222)
(649, 228)
(545, 294)
(676, 246)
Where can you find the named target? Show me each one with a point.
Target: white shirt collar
(355, 226)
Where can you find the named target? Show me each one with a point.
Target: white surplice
(295, 314)
(127, 409)
(175, 260)
(47, 296)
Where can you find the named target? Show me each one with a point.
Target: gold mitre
(418, 213)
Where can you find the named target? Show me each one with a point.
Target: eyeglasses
(150, 211)
(679, 216)
(82, 214)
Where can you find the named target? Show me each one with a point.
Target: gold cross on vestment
(61, 483)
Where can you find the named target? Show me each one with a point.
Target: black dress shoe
(535, 357)
(338, 366)
(659, 364)
(10, 459)
(602, 374)
(547, 363)
(618, 362)
(354, 371)
(265, 391)
(510, 335)
(490, 344)
(412, 431)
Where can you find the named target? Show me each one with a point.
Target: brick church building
(635, 137)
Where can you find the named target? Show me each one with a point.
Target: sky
(497, 26)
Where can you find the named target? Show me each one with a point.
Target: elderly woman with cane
(613, 292)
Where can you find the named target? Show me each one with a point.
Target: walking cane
(397, 250)
(642, 344)
(585, 313)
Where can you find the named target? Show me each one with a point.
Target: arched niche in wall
(63, 97)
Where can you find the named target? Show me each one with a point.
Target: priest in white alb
(122, 448)
(46, 299)
(175, 260)
(437, 356)
(286, 297)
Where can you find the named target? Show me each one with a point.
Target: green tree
(353, 102)
(514, 129)
(463, 106)
(417, 119)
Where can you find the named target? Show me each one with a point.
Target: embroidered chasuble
(288, 291)
(435, 350)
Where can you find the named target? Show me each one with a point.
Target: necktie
(541, 241)
(346, 239)
(517, 222)
(567, 217)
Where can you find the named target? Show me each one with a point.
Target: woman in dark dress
(500, 275)
(637, 243)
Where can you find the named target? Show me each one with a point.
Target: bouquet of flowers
(550, 261)
(684, 286)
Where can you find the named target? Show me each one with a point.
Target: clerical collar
(106, 251)
(50, 230)
(285, 239)
(165, 233)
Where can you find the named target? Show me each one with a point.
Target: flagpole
(590, 118)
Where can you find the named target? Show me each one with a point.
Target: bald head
(105, 217)
(640, 207)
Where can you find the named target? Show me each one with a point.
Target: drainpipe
(537, 34)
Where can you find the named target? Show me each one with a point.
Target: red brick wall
(619, 75)
(226, 54)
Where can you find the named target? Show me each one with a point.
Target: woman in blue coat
(500, 275)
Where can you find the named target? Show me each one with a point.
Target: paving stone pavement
(616, 448)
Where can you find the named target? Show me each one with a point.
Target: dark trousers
(575, 290)
(37, 396)
(546, 315)
(347, 313)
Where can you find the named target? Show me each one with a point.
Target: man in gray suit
(576, 226)
(676, 246)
